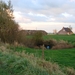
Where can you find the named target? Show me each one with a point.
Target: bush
(29, 43)
(38, 39)
(50, 43)
(62, 45)
(21, 37)
(53, 44)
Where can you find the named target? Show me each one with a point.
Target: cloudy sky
(45, 15)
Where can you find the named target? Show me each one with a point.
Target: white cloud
(47, 26)
(28, 26)
(30, 13)
(72, 0)
(44, 14)
(33, 14)
(41, 10)
(51, 20)
(66, 15)
(20, 18)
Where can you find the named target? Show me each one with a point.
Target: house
(65, 31)
(31, 32)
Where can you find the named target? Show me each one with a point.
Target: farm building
(31, 32)
(65, 31)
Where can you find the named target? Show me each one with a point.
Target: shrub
(29, 43)
(62, 45)
(21, 37)
(38, 38)
(50, 43)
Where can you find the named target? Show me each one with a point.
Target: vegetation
(55, 41)
(64, 57)
(69, 38)
(17, 63)
(38, 38)
(35, 41)
(8, 27)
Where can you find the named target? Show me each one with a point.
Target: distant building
(31, 32)
(65, 31)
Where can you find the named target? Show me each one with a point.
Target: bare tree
(55, 31)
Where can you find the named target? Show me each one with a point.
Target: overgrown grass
(22, 63)
(64, 57)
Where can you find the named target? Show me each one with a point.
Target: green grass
(12, 63)
(21, 63)
(69, 38)
(64, 57)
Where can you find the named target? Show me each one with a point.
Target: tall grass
(22, 63)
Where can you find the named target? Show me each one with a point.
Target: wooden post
(43, 51)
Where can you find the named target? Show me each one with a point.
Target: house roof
(68, 30)
(65, 31)
(30, 32)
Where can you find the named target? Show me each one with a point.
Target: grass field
(64, 57)
(18, 62)
(70, 38)
(21, 61)
(15, 63)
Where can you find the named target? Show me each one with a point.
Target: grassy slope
(20, 63)
(14, 63)
(65, 57)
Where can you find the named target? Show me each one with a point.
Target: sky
(45, 15)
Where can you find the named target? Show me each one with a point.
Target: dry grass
(70, 71)
(62, 45)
